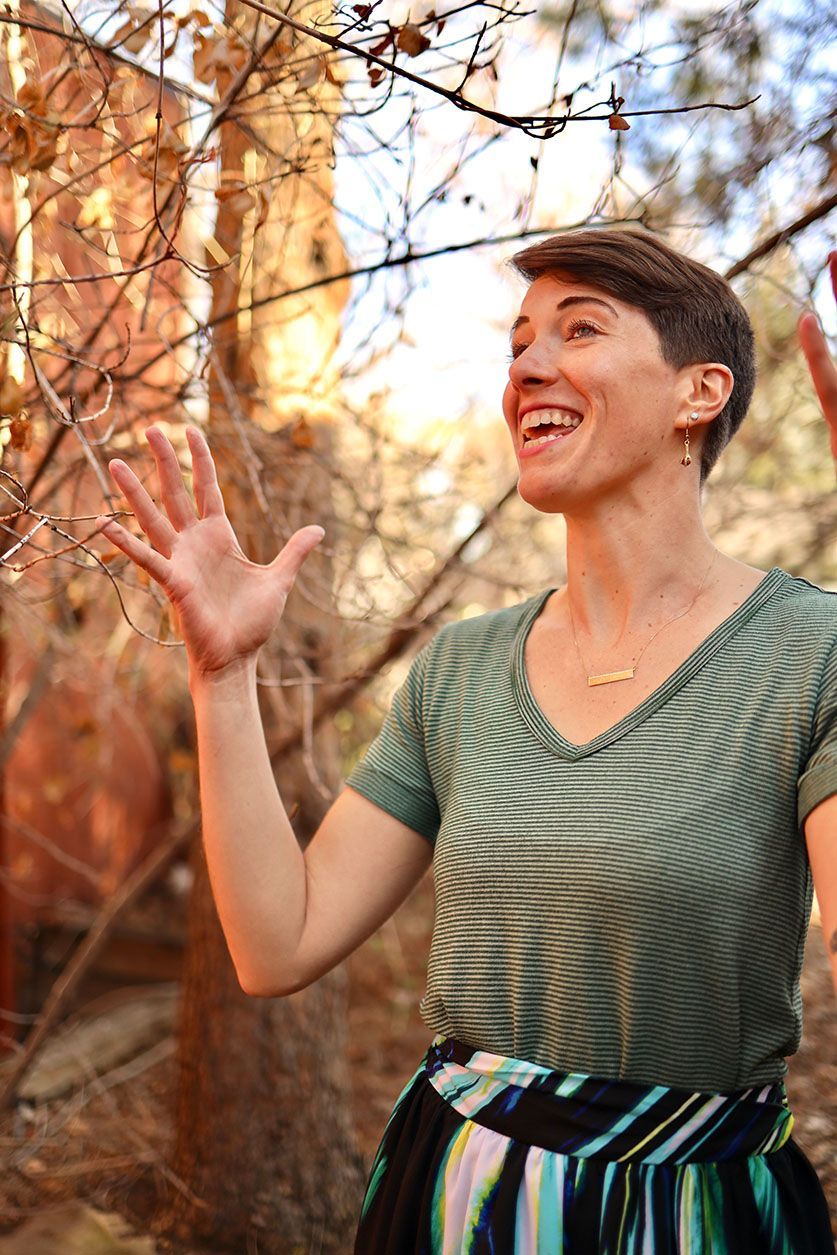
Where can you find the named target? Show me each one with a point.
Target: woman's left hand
(822, 368)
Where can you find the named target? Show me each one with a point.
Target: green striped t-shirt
(635, 907)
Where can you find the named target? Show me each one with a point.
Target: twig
(70, 978)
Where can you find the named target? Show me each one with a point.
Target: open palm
(226, 605)
(822, 368)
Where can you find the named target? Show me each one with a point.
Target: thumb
(290, 559)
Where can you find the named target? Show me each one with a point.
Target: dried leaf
(199, 18)
(375, 75)
(172, 149)
(380, 48)
(235, 196)
(11, 396)
(311, 72)
(218, 58)
(133, 36)
(46, 150)
(411, 40)
(277, 53)
(302, 434)
(21, 433)
(31, 97)
(617, 123)
(362, 10)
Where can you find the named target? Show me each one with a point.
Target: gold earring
(687, 461)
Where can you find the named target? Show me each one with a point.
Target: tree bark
(264, 1145)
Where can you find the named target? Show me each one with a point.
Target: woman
(624, 784)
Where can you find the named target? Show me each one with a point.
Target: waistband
(595, 1118)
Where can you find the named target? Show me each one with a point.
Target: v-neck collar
(552, 738)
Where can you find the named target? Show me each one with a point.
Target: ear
(706, 388)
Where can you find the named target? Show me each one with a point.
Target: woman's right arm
(288, 917)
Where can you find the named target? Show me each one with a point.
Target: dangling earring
(687, 461)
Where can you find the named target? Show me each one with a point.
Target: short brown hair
(696, 314)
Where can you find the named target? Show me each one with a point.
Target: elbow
(272, 989)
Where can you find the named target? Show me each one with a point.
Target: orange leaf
(31, 97)
(329, 73)
(45, 152)
(302, 434)
(21, 430)
(11, 396)
(181, 760)
(134, 40)
(618, 123)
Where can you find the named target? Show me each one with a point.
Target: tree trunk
(264, 1145)
(8, 993)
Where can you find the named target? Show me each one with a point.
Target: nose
(531, 368)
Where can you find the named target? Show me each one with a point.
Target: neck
(627, 572)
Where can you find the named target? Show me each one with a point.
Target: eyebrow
(568, 300)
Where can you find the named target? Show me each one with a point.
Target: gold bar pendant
(610, 675)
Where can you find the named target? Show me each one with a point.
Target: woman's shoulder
(808, 603)
(804, 628)
(488, 627)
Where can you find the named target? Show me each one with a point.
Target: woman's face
(581, 350)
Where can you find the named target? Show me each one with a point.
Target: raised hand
(822, 368)
(226, 605)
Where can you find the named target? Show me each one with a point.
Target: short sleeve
(394, 773)
(819, 779)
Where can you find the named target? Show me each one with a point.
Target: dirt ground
(106, 1142)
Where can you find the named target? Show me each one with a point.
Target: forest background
(289, 224)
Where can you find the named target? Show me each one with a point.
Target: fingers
(156, 526)
(149, 559)
(823, 370)
(173, 491)
(204, 476)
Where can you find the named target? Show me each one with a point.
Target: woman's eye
(577, 323)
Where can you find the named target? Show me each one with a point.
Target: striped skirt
(489, 1155)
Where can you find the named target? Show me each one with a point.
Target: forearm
(256, 867)
(830, 937)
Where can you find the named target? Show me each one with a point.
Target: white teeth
(545, 439)
(558, 418)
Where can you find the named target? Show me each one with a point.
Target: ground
(107, 1142)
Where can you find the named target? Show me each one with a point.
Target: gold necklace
(628, 674)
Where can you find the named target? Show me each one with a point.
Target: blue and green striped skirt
(484, 1154)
